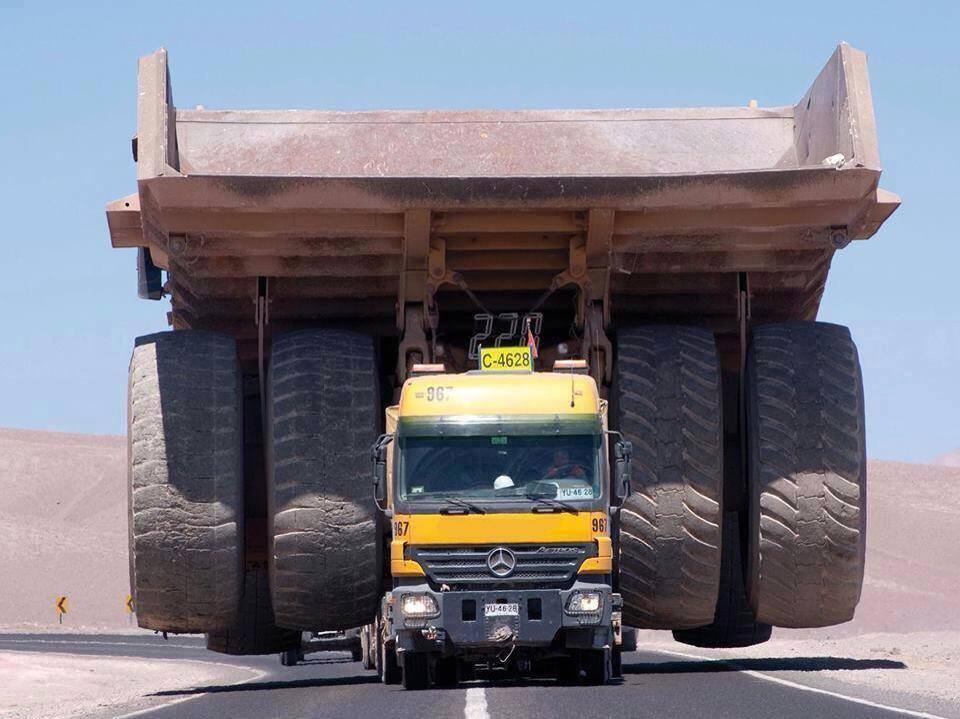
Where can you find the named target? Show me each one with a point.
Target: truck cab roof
(496, 393)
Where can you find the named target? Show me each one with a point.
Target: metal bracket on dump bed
(589, 260)
(743, 331)
(575, 274)
(415, 319)
(261, 319)
(597, 348)
(413, 347)
(588, 268)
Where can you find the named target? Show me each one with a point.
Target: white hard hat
(502, 482)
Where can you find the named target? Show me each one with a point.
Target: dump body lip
(767, 188)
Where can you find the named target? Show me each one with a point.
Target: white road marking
(174, 702)
(806, 687)
(476, 706)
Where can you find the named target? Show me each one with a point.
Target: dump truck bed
(351, 215)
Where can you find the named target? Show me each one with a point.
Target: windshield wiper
(551, 502)
(469, 506)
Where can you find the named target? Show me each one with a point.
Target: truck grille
(535, 564)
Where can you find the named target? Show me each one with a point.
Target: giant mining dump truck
(312, 258)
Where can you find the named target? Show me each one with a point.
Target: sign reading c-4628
(506, 359)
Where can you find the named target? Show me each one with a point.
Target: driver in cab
(563, 467)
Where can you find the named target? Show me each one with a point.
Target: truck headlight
(584, 603)
(419, 605)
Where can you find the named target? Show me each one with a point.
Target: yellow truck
(499, 485)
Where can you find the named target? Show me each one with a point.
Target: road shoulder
(918, 672)
(70, 685)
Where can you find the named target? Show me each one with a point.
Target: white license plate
(501, 610)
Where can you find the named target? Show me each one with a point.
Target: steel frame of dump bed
(377, 219)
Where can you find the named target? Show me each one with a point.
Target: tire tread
(807, 474)
(323, 405)
(185, 481)
(668, 405)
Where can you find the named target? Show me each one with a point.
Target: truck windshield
(500, 468)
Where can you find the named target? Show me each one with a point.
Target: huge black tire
(808, 469)
(291, 657)
(185, 483)
(668, 404)
(254, 630)
(323, 404)
(733, 622)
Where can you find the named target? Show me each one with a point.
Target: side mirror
(149, 279)
(378, 454)
(622, 458)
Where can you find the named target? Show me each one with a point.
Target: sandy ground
(64, 685)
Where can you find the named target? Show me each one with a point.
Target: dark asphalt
(329, 685)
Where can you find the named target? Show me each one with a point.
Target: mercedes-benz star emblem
(501, 562)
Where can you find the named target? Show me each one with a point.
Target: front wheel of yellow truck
(597, 666)
(416, 670)
(387, 666)
(368, 647)
(616, 662)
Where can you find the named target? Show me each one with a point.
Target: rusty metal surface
(340, 208)
(834, 116)
(545, 143)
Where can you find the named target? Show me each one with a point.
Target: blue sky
(68, 302)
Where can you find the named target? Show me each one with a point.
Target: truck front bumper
(543, 619)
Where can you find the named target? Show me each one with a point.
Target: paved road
(655, 684)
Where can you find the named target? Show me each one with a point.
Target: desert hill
(950, 459)
(62, 529)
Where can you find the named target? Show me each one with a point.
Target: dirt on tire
(667, 399)
(323, 407)
(733, 622)
(807, 474)
(254, 630)
(185, 481)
